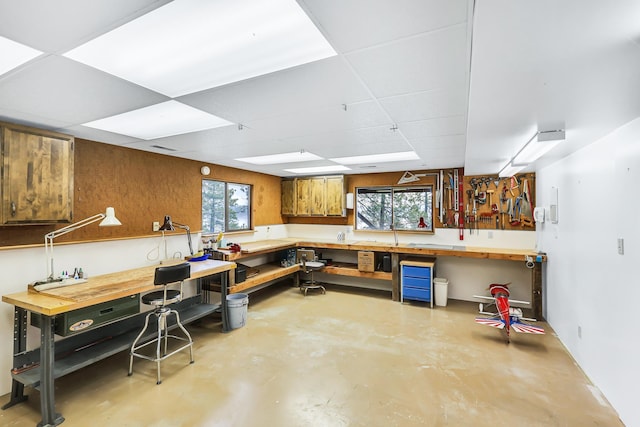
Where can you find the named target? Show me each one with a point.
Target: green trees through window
(225, 206)
(402, 208)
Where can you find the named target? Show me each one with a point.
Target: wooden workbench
(251, 249)
(99, 289)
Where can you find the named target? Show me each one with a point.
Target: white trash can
(441, 286)
(237, 308)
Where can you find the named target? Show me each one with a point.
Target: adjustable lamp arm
(108, 219)
(48, 238)
(185, 227)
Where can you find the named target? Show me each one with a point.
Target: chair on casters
(164, 276)
(309, 267)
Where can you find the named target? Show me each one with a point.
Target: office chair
(306, 258)
(164, 276)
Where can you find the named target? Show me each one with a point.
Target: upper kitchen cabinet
(314, 196)
(37, 175)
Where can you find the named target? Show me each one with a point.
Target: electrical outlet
(579, 331)
(156, 226)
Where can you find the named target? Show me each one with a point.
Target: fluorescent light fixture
(377, 158)
(274, 159)
(319, 169)
(537, 146)
(510, 170)
(191, 45)
(14, 54)
(160, 120)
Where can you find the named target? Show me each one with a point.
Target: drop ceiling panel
(428, 61)
(60, 89)
(426, 104)
(455, 125)
(361, 115)
(341, 141)
(357, 24)
(325, 83)
(55, 26)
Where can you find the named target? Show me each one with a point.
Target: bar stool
(164, 276)
(309, 267)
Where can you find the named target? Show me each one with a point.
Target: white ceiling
(466, 83)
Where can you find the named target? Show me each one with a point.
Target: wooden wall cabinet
(37, 175)
(314, 196)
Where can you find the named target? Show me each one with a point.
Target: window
(225, 206)
(402, 208)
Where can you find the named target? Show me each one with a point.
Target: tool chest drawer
(410, 271)
(417, 294)
(416, 280)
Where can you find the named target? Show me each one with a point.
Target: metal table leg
(19, 347)
(223, 291)
(47, 380)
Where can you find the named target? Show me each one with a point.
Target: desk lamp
(169, 226)
(108, 219)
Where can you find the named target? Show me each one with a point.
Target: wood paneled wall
(143, 187)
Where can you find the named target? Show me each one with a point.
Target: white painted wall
(589, 286)
(466, 277)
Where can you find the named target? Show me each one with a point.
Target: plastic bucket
(441, 289)
(237, 309)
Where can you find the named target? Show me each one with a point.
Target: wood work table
(96, 290)
(250, 249)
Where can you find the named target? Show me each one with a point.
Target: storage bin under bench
(416, 280)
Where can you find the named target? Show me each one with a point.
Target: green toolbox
(87, 318)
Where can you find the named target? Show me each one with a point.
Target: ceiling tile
(360, 115)
(56, 26)
(426, 104)
(356, 24)
(454, 125)
(429, 61)
(60, 89)
(324, 83)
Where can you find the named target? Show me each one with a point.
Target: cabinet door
(37, 176)
(317, 196)
(335, 196)
(303, 205)
(288, 197)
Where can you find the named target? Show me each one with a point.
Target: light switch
(620, 246)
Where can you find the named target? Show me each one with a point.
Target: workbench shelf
(348, 269)
(82, 350)
(267, 274)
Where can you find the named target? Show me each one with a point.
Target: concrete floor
(347, 358)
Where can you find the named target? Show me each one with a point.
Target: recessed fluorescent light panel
(274, 159)
(538, 146)
(510, 170)
(319, 169)
(377, 158)
(14, 54)
(191, 45)
(160, 120)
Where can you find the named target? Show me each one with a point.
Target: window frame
(393, 191)
(227, 210)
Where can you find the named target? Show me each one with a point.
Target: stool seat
(157, 297)
(314, 264)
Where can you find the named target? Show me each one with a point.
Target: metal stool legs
(312, 284)
(161, 340)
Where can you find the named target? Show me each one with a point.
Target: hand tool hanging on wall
(440, 184)
(527, 208)
(460, 220)
(456, 190)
